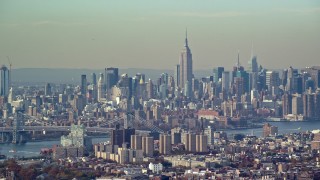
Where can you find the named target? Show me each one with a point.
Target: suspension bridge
(19, 126)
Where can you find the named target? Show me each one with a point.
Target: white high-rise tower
(101, 87)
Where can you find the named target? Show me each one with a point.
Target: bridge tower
(127, 118)
(17, 122)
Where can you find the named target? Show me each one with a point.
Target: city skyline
(166, 89)
(117, 34)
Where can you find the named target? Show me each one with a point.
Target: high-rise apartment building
(147, 146)
(209, 132)
(201, 143)
(165, 144)
(176, 135)
(136, 142)
(186, 72)
(190, 143)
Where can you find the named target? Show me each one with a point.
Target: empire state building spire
(185, 65)
(186, 40)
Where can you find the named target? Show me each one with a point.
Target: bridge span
(53, 129)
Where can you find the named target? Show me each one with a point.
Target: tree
(28, 173)
(12, 165)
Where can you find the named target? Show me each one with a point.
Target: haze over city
(149, 34)
(154, 90)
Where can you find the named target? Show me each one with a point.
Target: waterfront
(33, 148)
(284, 127)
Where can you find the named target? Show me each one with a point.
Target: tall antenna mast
(238, 63)
(252, 50)
(10, 66)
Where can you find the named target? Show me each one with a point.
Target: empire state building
(185, 73)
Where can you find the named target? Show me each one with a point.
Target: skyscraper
(101, 89)
(177, 75)
(5, 81)
(272, 80)
(94, 78)
(245, 77)
(150, 89)
(217, 73)
(253, 64)
(47, 89)
(314, 72)
(225, 81)
(239, 89)
(309, 105)
(84, 84)
(286, 104)
(94, 87)
(186, 72)
(112, 75)
(290, 78)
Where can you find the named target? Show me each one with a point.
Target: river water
(33, 148)
(283, 128)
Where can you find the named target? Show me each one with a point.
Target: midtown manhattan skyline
(143, 34)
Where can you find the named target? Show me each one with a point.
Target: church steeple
(186, 40)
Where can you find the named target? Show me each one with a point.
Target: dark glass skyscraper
(217, 73)
(112, 76)
(120, 136)
(4, 81)
(84, 84)
(94, 79)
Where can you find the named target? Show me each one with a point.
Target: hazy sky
(150, 34)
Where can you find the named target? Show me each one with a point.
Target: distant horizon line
(75, 68)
